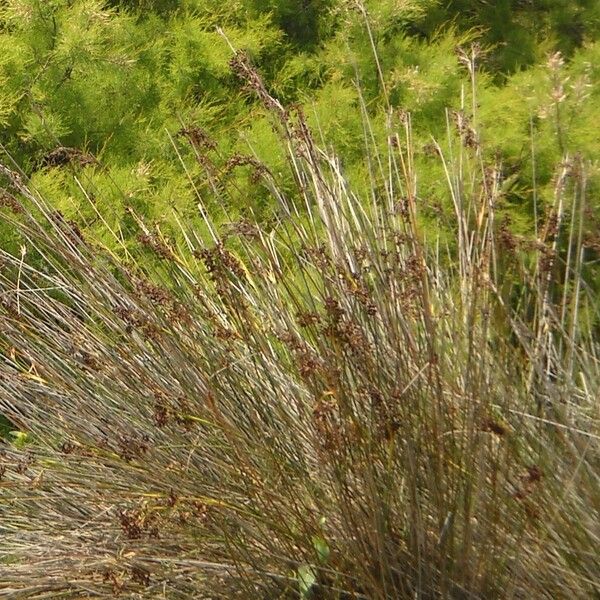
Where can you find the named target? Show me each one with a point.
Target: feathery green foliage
(118, 80)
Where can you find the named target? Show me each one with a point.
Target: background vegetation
(119, 80)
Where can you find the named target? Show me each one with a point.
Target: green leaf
(21, 438)
(306, 580)
(322, 548)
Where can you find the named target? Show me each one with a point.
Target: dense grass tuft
(328, 406)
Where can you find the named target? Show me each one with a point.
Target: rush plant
(331, 404)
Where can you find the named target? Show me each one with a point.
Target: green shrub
(119, 80)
